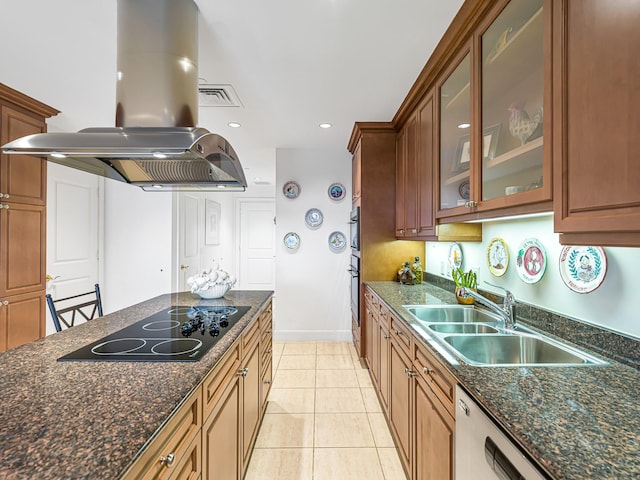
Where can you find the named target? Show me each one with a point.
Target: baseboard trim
(312, 335)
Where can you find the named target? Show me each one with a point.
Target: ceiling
(292, 63)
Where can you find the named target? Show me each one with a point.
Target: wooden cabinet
(211, 435)
(23, 190)
(417, 394)
(222, 412)
(175, 452)
(400, 379)
(433, 441)
(494, 107)
(415, 213)
(373, 146)
(596, 121)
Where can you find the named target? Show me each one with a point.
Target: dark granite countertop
(89, 420)
(577, 423)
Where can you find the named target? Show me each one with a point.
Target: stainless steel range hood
(155, 144)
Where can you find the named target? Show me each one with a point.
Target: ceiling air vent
(217, 96)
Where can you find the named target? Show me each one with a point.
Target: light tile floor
(323, 419)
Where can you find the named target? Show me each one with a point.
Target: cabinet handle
(4, 195)
(471, 204)
(243, 372)
(268, 382)
(269, 331)
(4, 302)
(386, 336)
(401, 231)
(4, 205)
(413, 230)
(269, 351)
(409, 372)
(168, 460)
(427, 370)
(398, 332)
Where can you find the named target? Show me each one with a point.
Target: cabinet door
(425, 169)
(512, 105)
(22, 319)
(251, 401)
(454, 99)
(596, 122)
(400, 402)
(434, 429)
(407, 180)
(356, 172)
(221, 437)
(368, 331)
(22, 177)
(384, 376)
(22, 256)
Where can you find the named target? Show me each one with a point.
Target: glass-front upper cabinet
(455, 140)
(512, 94)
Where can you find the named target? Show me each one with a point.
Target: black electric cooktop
(180, 333)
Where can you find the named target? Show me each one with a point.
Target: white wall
(312, 284)
(612, 305)
(137, 245)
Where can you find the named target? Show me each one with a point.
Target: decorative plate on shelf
(498, 257)
(337, 192)
(313, 218)
(583, 269)
(455, 255)
(292, 241)
(531, 262)
(464, 189)
(291, 189)
(337, 241)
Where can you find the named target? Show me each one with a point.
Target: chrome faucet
(508, 310)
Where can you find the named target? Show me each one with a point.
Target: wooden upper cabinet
(596, 122)
(494, 107)
(22, 177)
(425, 168)
(356, 174)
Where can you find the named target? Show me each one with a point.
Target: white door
(189, 238)
(257, 245)
(74, 226)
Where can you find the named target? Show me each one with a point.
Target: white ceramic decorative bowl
(216, 291)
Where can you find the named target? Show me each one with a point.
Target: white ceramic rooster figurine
(520, 125)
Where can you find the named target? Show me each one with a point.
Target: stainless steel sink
(516, 349)
(450, 314)
(462, 328)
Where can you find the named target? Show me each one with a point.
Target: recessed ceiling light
(234, 124)
(464, 125)
(325, 125)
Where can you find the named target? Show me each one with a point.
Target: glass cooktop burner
(179, 333)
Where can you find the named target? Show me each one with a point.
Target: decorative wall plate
(337, 241)
(455, 255)
(292, 241)
(337, 192)
(532, 260)
(291, 189)
(583, 268)
(313, 218)
(498, 257)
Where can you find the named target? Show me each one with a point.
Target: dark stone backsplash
(615, 345)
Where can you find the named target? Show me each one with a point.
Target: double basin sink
(478, 337)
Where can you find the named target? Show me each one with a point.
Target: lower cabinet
(21, 319)
(434, 429)
(417, 394)
(211, 436)
(400, 402)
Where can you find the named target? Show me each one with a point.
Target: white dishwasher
(482, 451)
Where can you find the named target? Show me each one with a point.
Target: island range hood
(155, 144)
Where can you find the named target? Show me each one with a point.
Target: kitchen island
(92, 419)
(576, 423)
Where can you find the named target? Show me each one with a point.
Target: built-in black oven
(354, 222)
(354, 270)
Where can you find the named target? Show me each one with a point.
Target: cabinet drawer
(174, 446)
(385, 316)
(190, 468)
(401, 333)
(437, 376)
(219, 378)
(250, 336)
(266, 317)
(266, 380)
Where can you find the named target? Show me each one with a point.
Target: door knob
(184, 267)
